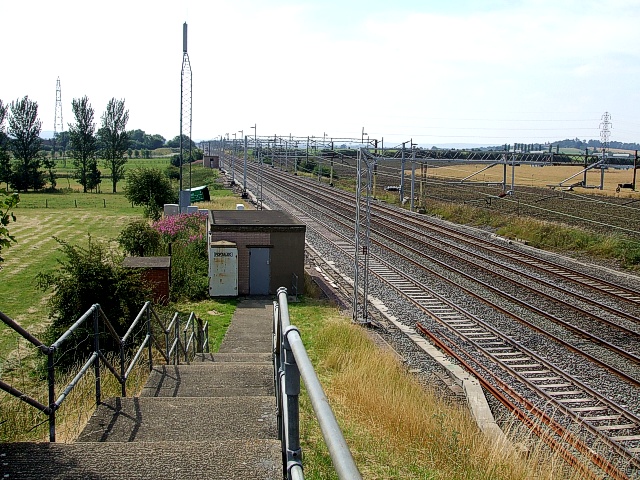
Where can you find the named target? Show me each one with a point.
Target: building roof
(147, 262)
(252, 218)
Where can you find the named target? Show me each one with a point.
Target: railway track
(505, 360)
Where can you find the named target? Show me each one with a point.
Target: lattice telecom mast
(185, 103)
(362, 232)
(58, 125)
(605, 133)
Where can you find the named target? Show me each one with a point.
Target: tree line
(24, 165)
(21, 161)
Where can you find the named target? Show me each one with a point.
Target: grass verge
(394, 427)
(544, 235)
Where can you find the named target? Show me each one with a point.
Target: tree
(114, 139)
(83, 142)
(50, 164)
(151, 188)
(175, 143)
(5, 159)
(139, 239)
(24, 130)
(7, 203)
(155, 141)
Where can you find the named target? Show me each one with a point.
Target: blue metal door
(259, 271)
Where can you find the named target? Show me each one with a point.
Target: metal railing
(185, 343)
(291, 362)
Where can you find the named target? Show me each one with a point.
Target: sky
(481, 72)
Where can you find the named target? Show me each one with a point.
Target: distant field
(527, 175)
(65, 167)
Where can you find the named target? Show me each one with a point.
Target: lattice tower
(362, 236)
(605, 132)
(58, 125)
(186, 84)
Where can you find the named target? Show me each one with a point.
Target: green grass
(544, 235)
(217, 312)
(37, 251)
(41, 216)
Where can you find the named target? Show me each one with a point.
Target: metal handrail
(291, 363)
(197, 332)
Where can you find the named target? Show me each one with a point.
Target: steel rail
(549, 268)
(523, 274)
(583, 333)
(562, 432)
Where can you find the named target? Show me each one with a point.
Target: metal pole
(52, 395)
(504, 172)
(96, 348)
(513, 175)
(413, 178)
(402, 176)
(244, 180)
(331, 174)
(586, 164)
(123, 370)
(292, 392)
(233, 157)
(150, 342)
(635, 168)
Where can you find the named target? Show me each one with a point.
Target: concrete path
(213, 419)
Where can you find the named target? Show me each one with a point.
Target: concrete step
(233, 357)
(251, 458)
(210, 380)
(164, 419)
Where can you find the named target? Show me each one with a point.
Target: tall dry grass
(20, 422)
(395, 427)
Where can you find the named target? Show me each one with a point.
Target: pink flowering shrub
(189, 263)
(185, 226)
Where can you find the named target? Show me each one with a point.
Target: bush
(172, 172)
(139, 239)
(189, 261)
(86, 276)
(189, 270)
(150, 188)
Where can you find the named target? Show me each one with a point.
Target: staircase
(213, 419)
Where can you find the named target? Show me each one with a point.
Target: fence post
(166, 342)
(96, 349)
(292, 391)
(200, 336)
(176, 358)
(123, 370)
(150, 341)
(52, 395)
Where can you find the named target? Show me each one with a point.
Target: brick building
(270, 247)
(156, 272)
